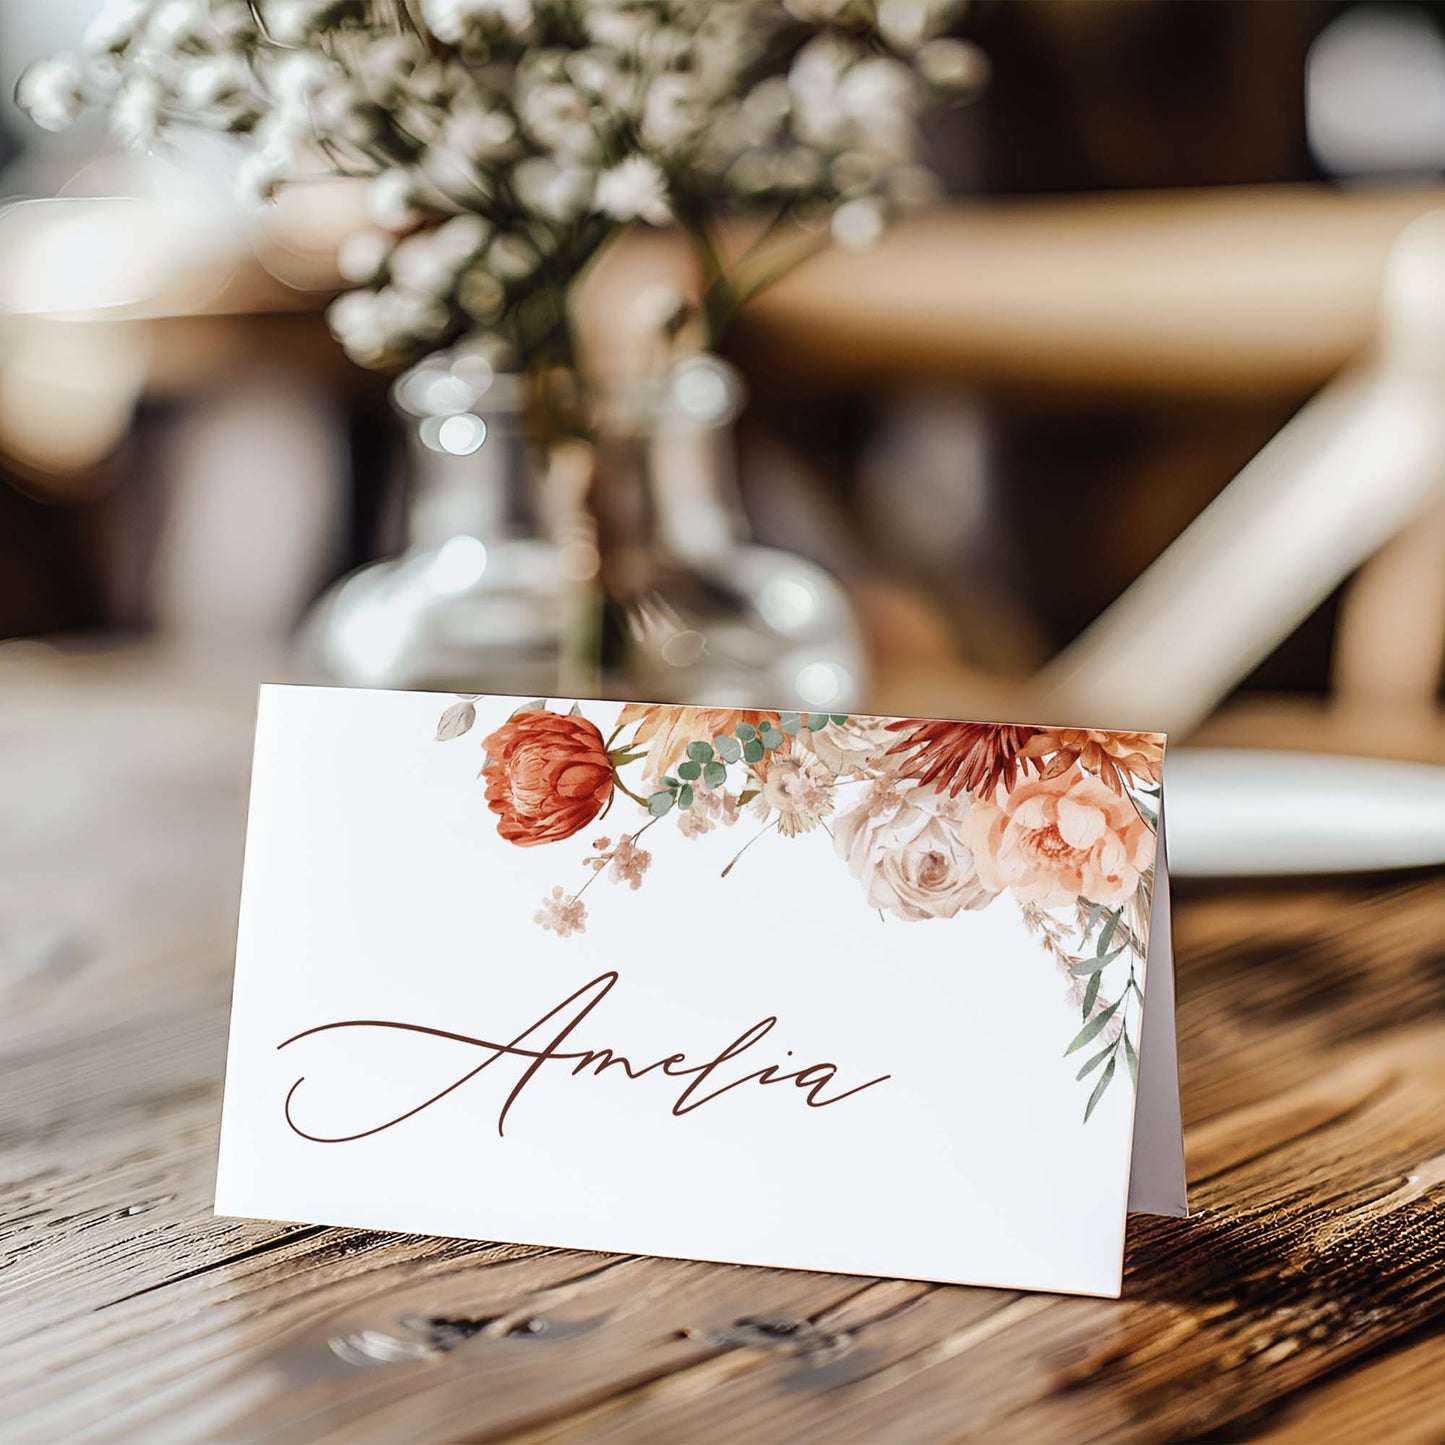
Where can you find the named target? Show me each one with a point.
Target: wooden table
(1299, 1303)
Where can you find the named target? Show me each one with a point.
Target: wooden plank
(1312, 1035)
(1396, 1396)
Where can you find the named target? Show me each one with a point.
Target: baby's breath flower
(361, 256)
(562, 914)
(505, 141)
(51, 92)
(115, 25)
(634, 190)
(389, 200)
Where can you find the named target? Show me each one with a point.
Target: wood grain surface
(1301, 1302)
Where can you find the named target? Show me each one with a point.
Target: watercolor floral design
(932, 818)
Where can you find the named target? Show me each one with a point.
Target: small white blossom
(135, 115)
(558, 192)
(361, 256)
(389, 201)
(297, 76)
(673, 112)
(261, 173)
(357, 323)
(634, 190)
(50, 91)
(559, 117)
(289, 22)
(511, 258)
(419, 264)
(858, 225)
(616, 27)
(407, 313)
(481, 295)
(478, 133)
(214, 80)
(115, 25)
(906, 24)
(456, 21)
(462, 237)
(175, 22)
(953, 65)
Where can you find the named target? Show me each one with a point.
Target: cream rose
(859, 745)
(904, 843)
(1052, 840)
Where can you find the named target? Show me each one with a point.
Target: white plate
(1234, 813)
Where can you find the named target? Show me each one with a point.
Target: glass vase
(695, 611)
(477, 601)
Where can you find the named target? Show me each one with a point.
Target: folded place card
(852, 993)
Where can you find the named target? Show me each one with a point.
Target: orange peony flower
(1117, 758)
(666, 731)
(1052, 840)
(549, 775)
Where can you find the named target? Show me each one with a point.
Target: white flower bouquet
(506, 142)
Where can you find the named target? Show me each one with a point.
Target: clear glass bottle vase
(476, 602)
(695, 611)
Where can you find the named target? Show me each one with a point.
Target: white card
(763, 988)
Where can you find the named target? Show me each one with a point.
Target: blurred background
(1167, 229)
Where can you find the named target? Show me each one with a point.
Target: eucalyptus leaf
(659, 803)
(685, 797)
(455, 721)
(746, 732)
(817, 721)
(1107, 935)
(753, 751)
(790, 722)
(1095, 909)
(1091, 1029)
(700, 752)
(771, 737)
(1095, 1061)
(690, 770)
(1091, 994)
(1132, 1059)
(1099, 961)
(714, 775)
(1099, 1089)
(839, 717)
(729, 749)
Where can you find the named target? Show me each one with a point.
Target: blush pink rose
(903, 843)
(1052, 840)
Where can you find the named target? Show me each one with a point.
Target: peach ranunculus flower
(666, 731)
(547, 776)
(904, 842)
(1053, 840)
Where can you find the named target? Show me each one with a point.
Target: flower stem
(642, 802)
(748, 845)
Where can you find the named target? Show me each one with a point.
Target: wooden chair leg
(1390, 638)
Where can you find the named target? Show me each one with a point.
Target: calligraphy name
(545, 1043)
